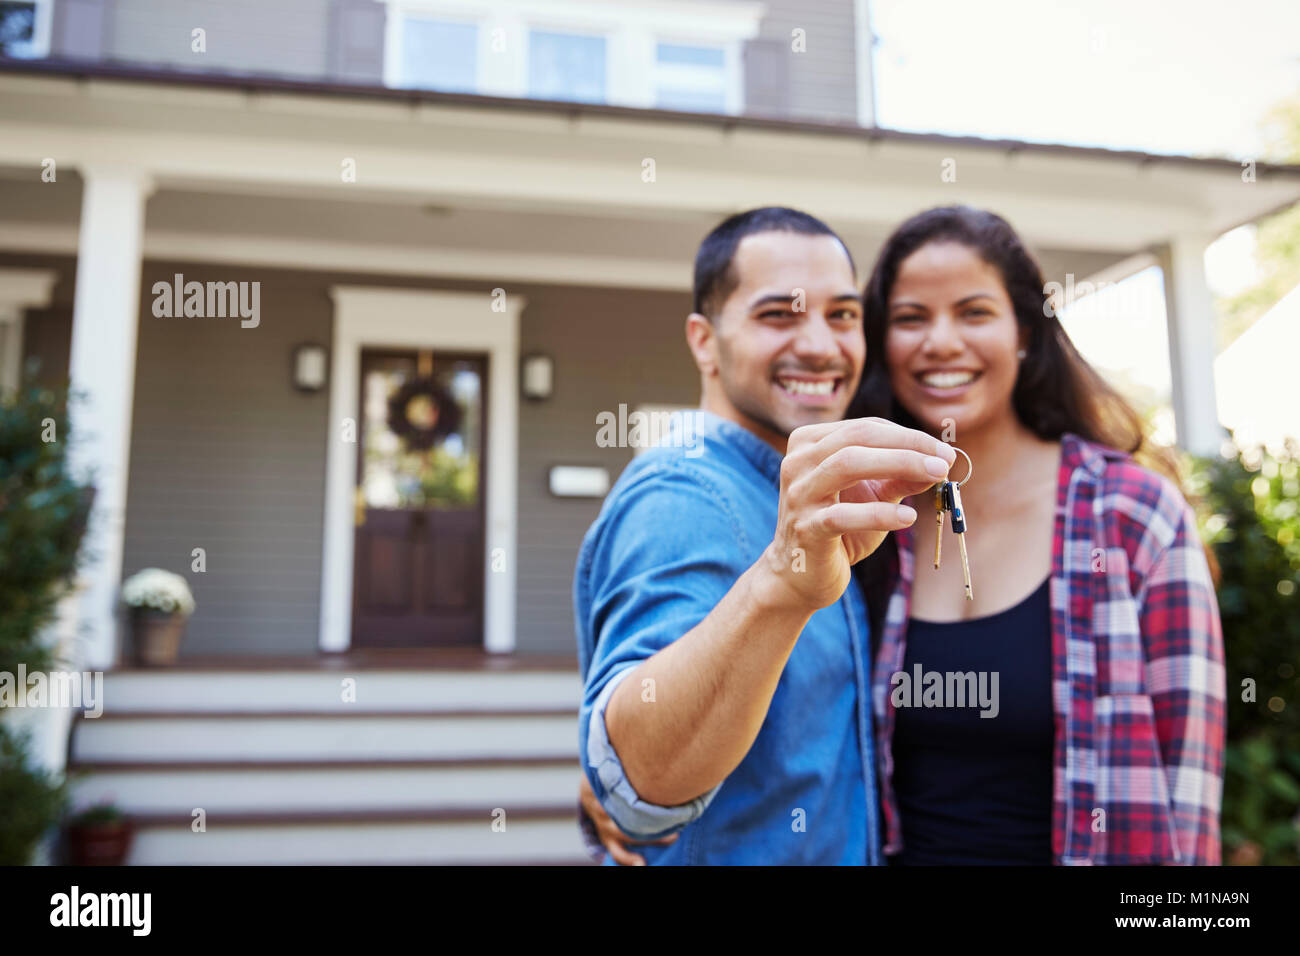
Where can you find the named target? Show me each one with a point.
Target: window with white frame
(438, 55)
(690, 77)
(25, 29)
(566, 66)
(670, 54)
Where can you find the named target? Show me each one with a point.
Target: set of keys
(947, 499)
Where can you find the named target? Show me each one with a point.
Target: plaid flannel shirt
(1138, 683)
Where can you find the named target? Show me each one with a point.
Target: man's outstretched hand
(841, 484)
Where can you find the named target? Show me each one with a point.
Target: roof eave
(92, 70)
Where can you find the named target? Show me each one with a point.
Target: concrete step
(288, 768)
(163, 787)
(312, 691)
(338, 735)
(400, 837)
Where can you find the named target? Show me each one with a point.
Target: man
(725, 657)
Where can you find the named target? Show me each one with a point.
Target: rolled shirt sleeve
(634, 816)
(668, 549)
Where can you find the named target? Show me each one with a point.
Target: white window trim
(39, 48)
(613, 74)
(393, 26)
(631, 32)
(733, 75)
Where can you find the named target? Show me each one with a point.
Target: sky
(1190, 77)
(1164, 76)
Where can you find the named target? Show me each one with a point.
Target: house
(242, 229)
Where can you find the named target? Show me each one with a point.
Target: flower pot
(99, 844)
(157, 636)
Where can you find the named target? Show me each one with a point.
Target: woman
(1093, 601)
(1092, 626)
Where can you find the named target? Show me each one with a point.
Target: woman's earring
(1020, 354)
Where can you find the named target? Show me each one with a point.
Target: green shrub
(31, 800)
(43, 514)
(1250, 516)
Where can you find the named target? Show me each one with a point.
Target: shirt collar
(1077, 452)
(713, 427)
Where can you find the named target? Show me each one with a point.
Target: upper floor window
(25, 28)
(670, 54)
(566, 66)
(438, 55)
(691, 78)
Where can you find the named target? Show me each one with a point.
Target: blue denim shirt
(681, 524)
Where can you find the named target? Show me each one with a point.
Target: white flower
(159, 589)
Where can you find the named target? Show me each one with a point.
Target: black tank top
(972, 789)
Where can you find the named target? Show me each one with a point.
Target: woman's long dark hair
(1056, 390)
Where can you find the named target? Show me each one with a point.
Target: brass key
(959, 529)
(939, 508)
(947, 498)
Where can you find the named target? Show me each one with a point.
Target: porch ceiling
(420, 238)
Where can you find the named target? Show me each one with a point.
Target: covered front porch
(394, 218)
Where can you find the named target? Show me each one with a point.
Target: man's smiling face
(781, 363)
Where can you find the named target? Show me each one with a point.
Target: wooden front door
(418, 559)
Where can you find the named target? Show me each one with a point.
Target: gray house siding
(343, 41)
(356, 50)
(284, 38)
(609, 347)
(80, 29)
(227, 456)
(817, 84)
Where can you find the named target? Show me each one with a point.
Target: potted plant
(160, 604)
(99, 836)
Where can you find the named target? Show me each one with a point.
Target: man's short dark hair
(715, 279)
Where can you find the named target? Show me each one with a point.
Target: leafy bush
(1251, 518)
(31, 800)
(43, 515)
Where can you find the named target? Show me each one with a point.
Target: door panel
(419, 554)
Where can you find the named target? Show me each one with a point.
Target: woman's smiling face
(951, 338)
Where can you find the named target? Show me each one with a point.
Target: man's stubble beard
(754, 409)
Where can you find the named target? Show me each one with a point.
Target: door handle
(359, 507)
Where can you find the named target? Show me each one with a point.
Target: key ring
(970, 466)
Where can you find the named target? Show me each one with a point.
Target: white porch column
(20, 289)
(1192, 344)
(105, 318)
